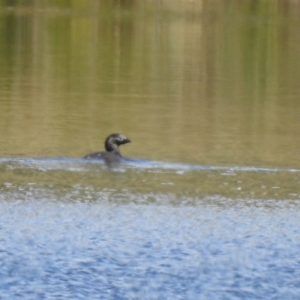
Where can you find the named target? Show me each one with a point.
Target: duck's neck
(111, 147)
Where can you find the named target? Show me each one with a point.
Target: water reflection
(78, 250)
(146, 182)
(193, 82)
(76, 229)
(209, 94)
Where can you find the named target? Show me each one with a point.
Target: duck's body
(112, 155)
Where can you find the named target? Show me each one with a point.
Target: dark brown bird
(112, 155)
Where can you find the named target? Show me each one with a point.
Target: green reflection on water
(188, 81)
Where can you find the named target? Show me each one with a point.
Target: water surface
(74, 229)
(207, 207)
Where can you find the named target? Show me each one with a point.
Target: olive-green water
(200, 82)
(209, 94)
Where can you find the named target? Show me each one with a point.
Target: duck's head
(114, 140)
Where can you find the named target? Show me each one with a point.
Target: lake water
(207, 207)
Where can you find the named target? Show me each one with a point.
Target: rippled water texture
(206, 205)
(94, 251)
(71, 229)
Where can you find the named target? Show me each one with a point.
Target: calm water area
(207, 207)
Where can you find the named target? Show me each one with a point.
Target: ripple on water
(93, 234)
(121, 251)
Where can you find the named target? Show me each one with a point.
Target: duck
(112, 155)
